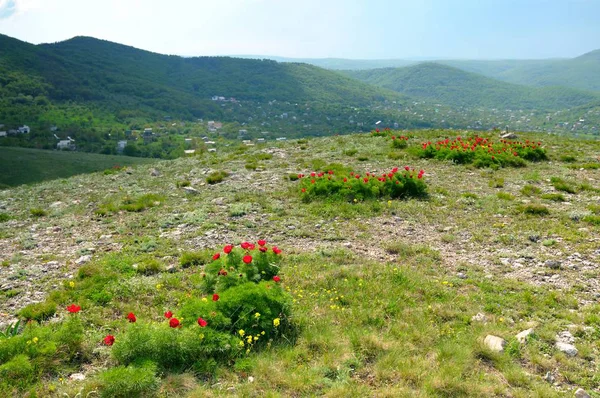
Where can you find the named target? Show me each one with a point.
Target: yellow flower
(263, 332)
(204, 299)
(257, 315)
(159, 286)
(255, 338)
(242, 332)
(389, 203)
(355, 200)
(202, 336)
(35, 340)
(249, 339)
(276, 322)
(241, 343)
(72, 284)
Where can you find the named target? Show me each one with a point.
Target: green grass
(26, 166)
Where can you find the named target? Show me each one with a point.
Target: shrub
(129, 381)
(592, 219)
(216, 177)
(188, 259)
(530, 190)
(149, 266)
(556, 197)
(399, 142)
(4, 217)
(496, 183)
(183, 183)
(568, 158)
(38, 311)
(351, 152)
(560, 185)
(140, 203)
(505, 196)
(18, 372)
(37, 212)
(395, 184)
(534, 209)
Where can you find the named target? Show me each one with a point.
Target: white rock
(522, 337)
(191, 190)
(77, 377)
(83, 259)
(565, 337)
(480, 317)
(568, 349)
(495, 343)
(581, 393)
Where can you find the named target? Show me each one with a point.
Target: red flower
(251, 246)
(247, 259)
(406, 168)
(245, 245)
(345, 179)
(109, 340)
(174, 323)
(261, 242)
(263, 249)
(202, 323)
(227, 249)
(131, 317)
(73, 309)
(313, 174)
(216, 256)
(222, 272)
(276, 250)
(168, 315)
(215, 297)
(303, 190)
(276, 279)
(312, 181)
(365, 179)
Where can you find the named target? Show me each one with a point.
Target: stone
(461, 275)
(552, 264)
(568, 349)
(495, 343)
(191, 190)
(154, 173)
(83, 259)
(522, 337)
(480, 317)
(171, 269)
(549, 378)
(77, 377)
(581, 393)
(509, 136)
(565, 337)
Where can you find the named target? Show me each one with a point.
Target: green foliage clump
(149, 266)
(556, 197)
(183, 183)
(37, 212)
(216, 177)
(189, 259)
(534, 209)
(505, 196)
(568, 158)
(38, 311)
(561, 185)
(130, 204)
(4, 217)
(18, 371)
(130, 381)
(530, 190)
(354, 187)
(351, 152)
(399, 142)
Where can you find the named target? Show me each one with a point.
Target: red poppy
(227, 249)
(251, 246)
(131, 317)
(245, 245)
(263, 249)
(406, 168)
(216, 256)
(222, 272)
(168, 315)
(345, 179)
(174, 323)
(365, 179)
(313, 174)
(261, 242)
(215, 297)
(276, 279)
(73, 309)
(247, 259)
(202, 323)
(303, 190)
(312, 181)
(109, 340)
(276, 250)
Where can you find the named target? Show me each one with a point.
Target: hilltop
(448, 85)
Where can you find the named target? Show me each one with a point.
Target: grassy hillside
(453, 86)
(373, 296)
(25, 166)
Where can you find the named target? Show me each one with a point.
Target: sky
(356, 29)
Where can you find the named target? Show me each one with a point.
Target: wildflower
(168, 315)
(215, 297)
(406, 168)
(276, 322)
(227, 249)
(276, 250)
(303, 190)
(216, 256)
(345, 179)
(263, 249)
(257, 315)
(159, 286)
(312, 181)
(247, 259)
(202, 323)
(241, 332)
(204, 300)
(71, 284)
(313, 174)
(276, 278)
(249, 339)
(131, 317)
(174, 323)
(73, 309)
(241, 343)
(222, 272)
(245, 245)
(35, 340)
(109, 340)
(261, 242)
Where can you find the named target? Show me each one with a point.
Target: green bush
(560, 185)
(189, 259)
(505, 196)
(37, 212)
(17, 372)
(534, 209)
(38, 311)
(183, 183)
(556, 197)
(149, 266)
(140, 203)
(216, 177)
(530, 190)
(128, 382)
(4, 217)
(399, 143)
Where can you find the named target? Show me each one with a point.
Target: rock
(534, 238)
(218, 201)
(552, 264)
(461, 275)
(83, 259)
(171, 269)
(581, 393)
(56, 204)
(549, 378)
(509, 136)
(565, 337)
(522, 337)
(191, 190)
(568, 349)
(494, 343)
(77, 377)
(480, 317)
(154, 173)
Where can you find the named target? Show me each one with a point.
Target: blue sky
(360, 29)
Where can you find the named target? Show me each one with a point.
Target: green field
(26, 166)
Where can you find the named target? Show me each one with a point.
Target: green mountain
(452, 86)
(340, 63)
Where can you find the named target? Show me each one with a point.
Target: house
(13, 132)
(282, 139)
(121, 146)
(189, 151)
(24, 129)
(66, 145)
(2, 133)
(212, 149)
(148, 135)
(260, 140)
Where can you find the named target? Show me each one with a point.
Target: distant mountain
(452, 86)
(339, 63)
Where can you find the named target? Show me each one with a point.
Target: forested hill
(88, 69)
(448, 85)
